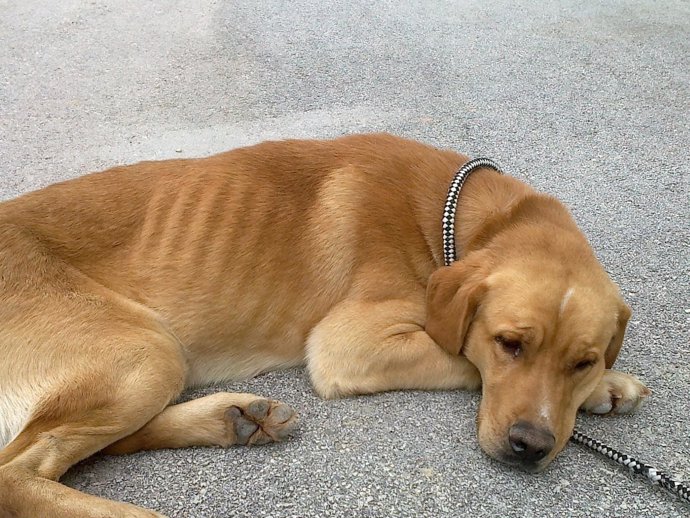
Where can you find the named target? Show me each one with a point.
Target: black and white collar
(449, 252)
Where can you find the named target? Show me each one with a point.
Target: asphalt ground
(586, 100)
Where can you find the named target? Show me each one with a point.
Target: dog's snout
(529, 443)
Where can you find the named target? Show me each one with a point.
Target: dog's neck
(491, 202)
(486, 198)
(485, 202)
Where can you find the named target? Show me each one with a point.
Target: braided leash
(654, 475)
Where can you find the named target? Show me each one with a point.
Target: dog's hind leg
(103, 367)
(84, 414)
(221, 419)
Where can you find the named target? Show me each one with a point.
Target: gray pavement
(588, 102)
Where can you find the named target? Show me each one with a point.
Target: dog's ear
(452, 297)
(617, 340)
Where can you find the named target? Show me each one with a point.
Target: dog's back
(242, 251)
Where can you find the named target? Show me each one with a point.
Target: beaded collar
(449, 252)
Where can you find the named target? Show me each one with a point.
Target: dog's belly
(245, 352)
(236, 365)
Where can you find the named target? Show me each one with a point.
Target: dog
(120, 289)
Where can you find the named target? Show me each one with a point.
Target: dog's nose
(529, 443)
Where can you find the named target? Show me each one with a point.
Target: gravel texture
(586, 100)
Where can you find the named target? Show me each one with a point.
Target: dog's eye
(509, 345)
(584, 365)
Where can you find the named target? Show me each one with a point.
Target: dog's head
(541, 323)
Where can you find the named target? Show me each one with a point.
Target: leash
(654, 475)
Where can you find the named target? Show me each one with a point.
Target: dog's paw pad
(261, 421)
(617, 393)
(258, 409)
(282, 413)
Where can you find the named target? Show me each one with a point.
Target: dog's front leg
(363, 347)
(616, 393)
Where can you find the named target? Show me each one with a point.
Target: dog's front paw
(616, 393)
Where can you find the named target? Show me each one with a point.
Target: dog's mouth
(505, 455)
(527, 466)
